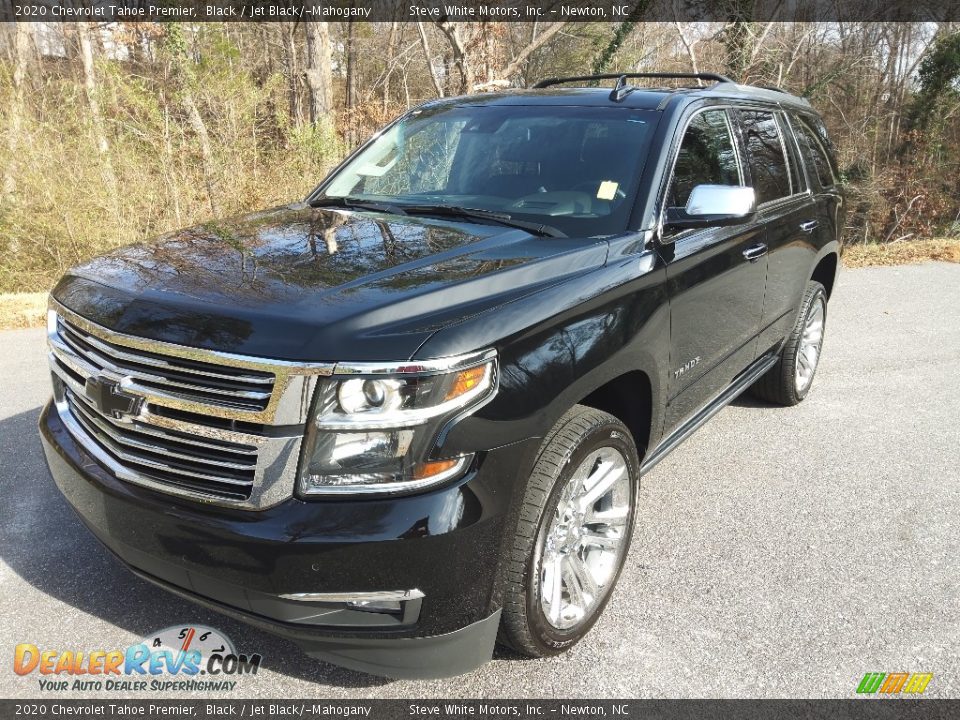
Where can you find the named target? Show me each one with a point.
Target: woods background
(114, 133)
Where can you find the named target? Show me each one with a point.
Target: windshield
(573, 168)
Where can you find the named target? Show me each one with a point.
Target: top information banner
(478, 11)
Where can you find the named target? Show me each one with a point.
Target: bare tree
(183, 73)
(392, 40)
(293, 73)
(691, 52)
(319, 73)
(350, 89)
(535, 43)
(454, 32)
(93, 102)
(478, 49)
(425, 43)
(21, 51)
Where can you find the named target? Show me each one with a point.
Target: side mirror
(716, 206)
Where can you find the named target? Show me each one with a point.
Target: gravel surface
(779, 552)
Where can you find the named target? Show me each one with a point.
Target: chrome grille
(225, 470)
(210, 426)
(177, 378)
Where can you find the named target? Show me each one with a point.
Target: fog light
(377, 606)
(403, 606)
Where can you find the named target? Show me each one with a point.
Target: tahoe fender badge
(689, 365)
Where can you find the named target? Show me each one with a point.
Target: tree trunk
(293, 73)
(319, 72)
(736, 37)
(535, 42)
(90, 86)
(199, 128)
(691, 52)
(93, 104)
(391, 55)
(350, 96)
(184, 76)
(425, 43)
(461, 57)
(21, 44)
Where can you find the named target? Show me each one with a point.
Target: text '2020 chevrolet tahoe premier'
(408, 417)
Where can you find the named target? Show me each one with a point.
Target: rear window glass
(768, 165)
(814, 155)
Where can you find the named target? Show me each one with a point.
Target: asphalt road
(779, 552)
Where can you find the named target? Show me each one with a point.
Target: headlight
(375, 426)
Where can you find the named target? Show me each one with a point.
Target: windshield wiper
(484, 216)
(357, 204)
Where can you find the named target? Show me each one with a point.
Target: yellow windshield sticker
(607, 190)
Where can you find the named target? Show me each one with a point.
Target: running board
(733, 390)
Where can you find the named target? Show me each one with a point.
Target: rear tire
(788, 382)
(573, 533)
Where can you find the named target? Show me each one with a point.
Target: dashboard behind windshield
(574, 168)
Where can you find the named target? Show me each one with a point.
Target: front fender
(560, 345)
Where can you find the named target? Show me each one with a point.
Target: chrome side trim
(346, 597)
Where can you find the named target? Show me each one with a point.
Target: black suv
(408, 417)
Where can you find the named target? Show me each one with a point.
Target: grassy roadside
(20, 310)
(902, 253)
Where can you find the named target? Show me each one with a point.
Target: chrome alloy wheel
(585, 540)
(808, 354)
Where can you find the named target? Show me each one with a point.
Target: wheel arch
(629, 398)
(826, 268)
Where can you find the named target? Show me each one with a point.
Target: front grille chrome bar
(269, 392)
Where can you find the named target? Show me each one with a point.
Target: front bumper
(446, 544)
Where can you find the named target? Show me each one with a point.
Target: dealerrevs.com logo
(182, 658)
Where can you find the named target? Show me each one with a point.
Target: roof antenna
(621, 90)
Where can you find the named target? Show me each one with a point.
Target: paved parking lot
(779, 552)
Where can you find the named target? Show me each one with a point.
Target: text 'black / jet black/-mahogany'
(406, 418)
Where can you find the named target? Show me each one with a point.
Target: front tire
(573, 533)
(789, 381)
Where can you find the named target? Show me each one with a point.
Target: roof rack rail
(772, 87)
(622, 89)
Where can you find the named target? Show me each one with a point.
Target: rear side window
(768, 164)
(798, 181)
(814, 155)
(706, 157)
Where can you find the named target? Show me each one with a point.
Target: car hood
(308, 284)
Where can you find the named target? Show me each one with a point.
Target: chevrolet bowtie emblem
(110, 400)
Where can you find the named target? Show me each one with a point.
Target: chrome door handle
(755, 252)
(809, 226)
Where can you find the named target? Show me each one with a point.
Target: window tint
(768, 166)
(706, 157)
(814, 155)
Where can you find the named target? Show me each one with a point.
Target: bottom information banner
(487, 709)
